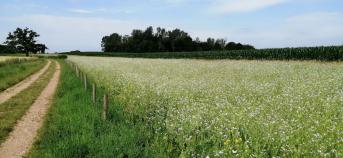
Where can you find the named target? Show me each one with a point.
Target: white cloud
(103, 10)
(171, 2)
(312, 29)
(80, 11)
(62, 33)
(175, 1)
(235, 6)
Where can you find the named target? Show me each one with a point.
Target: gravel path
(22, 137)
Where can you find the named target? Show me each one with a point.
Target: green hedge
(53, 56)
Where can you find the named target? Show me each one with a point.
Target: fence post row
(105, 99)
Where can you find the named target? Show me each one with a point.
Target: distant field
(226, 108)
(5, 58)
(329, 53)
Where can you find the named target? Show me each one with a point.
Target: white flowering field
(225, 108)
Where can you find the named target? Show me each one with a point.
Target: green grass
(51, 56)
(14, 72)
(74, 127)
(15, 108)
(13, 54)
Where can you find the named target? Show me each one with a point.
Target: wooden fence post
(94, 93)
(85, 80)
(105, 107)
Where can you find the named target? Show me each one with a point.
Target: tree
(4, 49)
(111, 43)
(219, 44)
(237, 46)
(164, 41)
(24, 40)
(40, 48)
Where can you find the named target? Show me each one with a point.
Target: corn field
(333, 53)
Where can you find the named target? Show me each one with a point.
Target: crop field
(328, 53)
(223, 108)
(5, 58)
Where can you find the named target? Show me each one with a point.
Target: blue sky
(80, 24)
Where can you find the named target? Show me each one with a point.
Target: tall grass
(15, 70)
(6, 60)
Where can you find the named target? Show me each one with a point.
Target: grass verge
(15, 108)
(14, 72)
(74, 128)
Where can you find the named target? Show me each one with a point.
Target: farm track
(14, 90)
(22, 137)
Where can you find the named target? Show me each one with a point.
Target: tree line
(163, 40)
(22, 41)
(4, 49)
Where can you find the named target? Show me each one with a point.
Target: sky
(66, 25)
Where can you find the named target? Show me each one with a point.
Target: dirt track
(22, 137)
(14, 90)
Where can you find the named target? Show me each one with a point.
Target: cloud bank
(238, 6)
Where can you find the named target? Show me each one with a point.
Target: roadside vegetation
(74, 127)
(15, 70)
